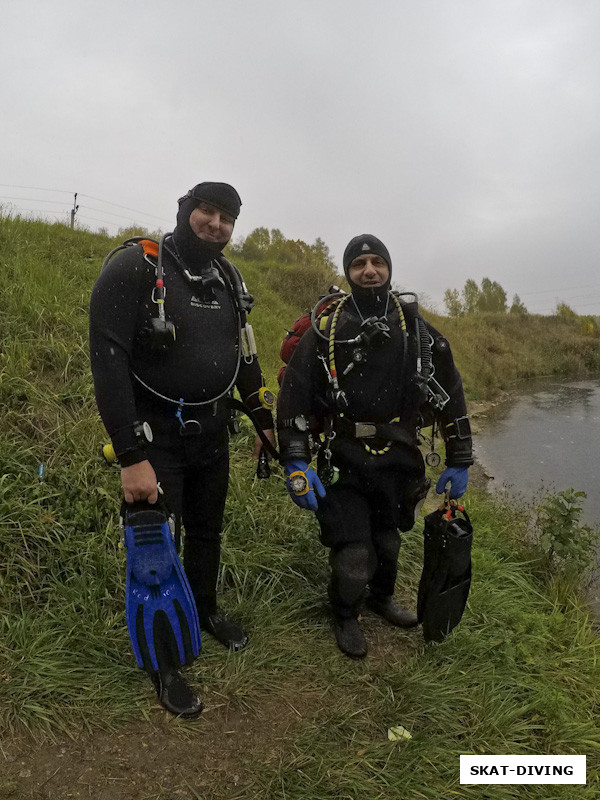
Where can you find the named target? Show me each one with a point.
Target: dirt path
(158, 758)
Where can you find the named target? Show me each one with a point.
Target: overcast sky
(464, 133)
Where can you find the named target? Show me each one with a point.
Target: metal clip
(438, 396)
(164, 294)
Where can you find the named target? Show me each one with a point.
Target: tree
(588, 326)
(470, 297)
(277, 236)
(131, 231)
(564, 311)
(517, 306)
(453, 303)
(492, 297)
(256, 244)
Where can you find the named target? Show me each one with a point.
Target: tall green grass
(495, 351)
(520, 675)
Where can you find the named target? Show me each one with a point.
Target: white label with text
(522, 769)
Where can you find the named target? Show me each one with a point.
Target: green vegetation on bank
(520, 675)
(496, 351)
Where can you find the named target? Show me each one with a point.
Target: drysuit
(372, 485)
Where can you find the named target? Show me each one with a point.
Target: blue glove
(306, 484)
(457, 477)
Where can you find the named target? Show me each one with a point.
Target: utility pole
(74, 211)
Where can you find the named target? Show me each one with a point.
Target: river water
(547, 439)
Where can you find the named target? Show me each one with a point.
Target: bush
(568, 546)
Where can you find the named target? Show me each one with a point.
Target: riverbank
(289, 717)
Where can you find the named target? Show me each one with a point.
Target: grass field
(289, 717)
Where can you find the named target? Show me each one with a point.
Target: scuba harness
(162, 333)
(374, 331)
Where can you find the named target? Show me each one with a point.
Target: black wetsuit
(191, 462)
(376, 492)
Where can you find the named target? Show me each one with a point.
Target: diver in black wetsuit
(363, 382)
(175, 374)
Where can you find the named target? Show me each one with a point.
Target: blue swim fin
(160, 610)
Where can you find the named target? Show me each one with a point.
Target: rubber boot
(392, 612)
(349, 637)
(225, 631)
(175, 694)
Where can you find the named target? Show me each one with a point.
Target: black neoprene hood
(365, 243)
(359, 246)
(191, 249)
(221, 195)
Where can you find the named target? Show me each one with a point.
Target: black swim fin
(446, 577)
(160, 610)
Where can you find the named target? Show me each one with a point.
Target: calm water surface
(547, 439)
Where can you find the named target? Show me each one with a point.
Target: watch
(299, 423)
(143, 431)
(266, 398)
(298, 482)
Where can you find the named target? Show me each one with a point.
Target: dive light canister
(108, 454)
(248, 341)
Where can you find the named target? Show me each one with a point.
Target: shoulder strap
(150, 248)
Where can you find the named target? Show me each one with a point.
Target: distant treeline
(490, 297)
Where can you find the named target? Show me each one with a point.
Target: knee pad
(354, 562)
(352, 567)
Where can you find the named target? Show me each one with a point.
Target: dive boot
(228, 633)
(349, 637)
(392, 612)
(175, 694)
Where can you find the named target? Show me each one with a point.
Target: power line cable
(117, 205)
(81, 194)
(37, 210)
(580, 305)
(576, 298)
(35, 188)
(102, 211)
(95, 219)
(34, 200)
(565, 289)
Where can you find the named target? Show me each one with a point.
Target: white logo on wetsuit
(198, 302)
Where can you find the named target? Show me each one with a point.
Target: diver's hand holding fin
(303, 484)
(139, 482)
(457, 477)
